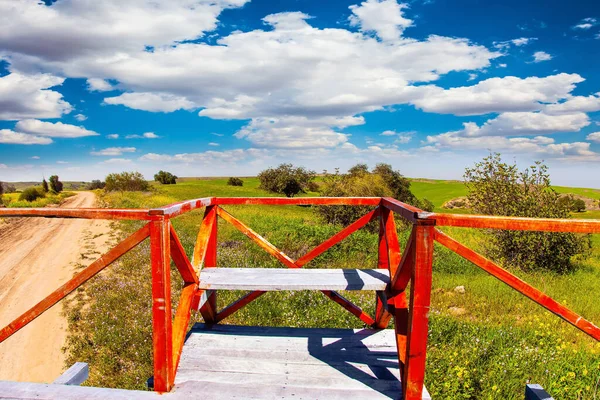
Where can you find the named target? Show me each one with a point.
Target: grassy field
(484, 344)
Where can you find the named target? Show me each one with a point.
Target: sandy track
(37, 255)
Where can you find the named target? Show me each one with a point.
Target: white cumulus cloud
(50, 129)
(384, 17)
(113, 151)
(27, 96)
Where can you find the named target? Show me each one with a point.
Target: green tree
(578, 205)
(55, 184)
(399, 185)
(355, 184)
(497, 188)
(382, 181)
(1, 188)
(126, 182)
(286, 179)
(235, 182)
(166, 178)
(45, 185)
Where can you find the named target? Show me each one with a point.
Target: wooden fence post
(418, 319)
(162, 334)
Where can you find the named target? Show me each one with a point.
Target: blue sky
(229, 87)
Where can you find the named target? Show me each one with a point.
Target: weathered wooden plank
(272, 279)
(264, 362)
(536, 392)
(282, 201)
(28, 390)
(83, 213)
(216, 390)
(76, 375)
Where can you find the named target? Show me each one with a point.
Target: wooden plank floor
(239, 362)
(226, 362)
(269, 279)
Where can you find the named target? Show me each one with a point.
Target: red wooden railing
(414, 266)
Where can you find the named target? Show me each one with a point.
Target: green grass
(437, 191)
(498, 343)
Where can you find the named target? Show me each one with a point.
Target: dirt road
(37, 255)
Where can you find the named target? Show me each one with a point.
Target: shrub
(578, 205)
(425, 205)
(383, 181)
(31, 194)
(235, 182)
(166, 178)
(96, 184)
(313, 186)
(399, 185)
(286, 179)
(497, 188)
(126, 182)
(1, 188)
(45, 185)
(357, 184)
(55, 184)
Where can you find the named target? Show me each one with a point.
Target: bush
(126, 182)
(496, 188)
(32, 194)
(425, 205)
(166, 178)
(55, 184)
(45, 186)
(578, 205)
(96, 184)
(313, 186)
(355, 184)
(383, 181)
(235, 182)
(1, 188)
(286, 179)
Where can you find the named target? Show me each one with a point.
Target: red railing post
(418, 318)
(162, 328)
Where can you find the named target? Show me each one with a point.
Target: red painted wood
(205, 255)
(403, 274)
(338, 237)
(401, 330)
(83, 213)
(348, 305)
(238, 304)
(181, 260)
(180, 323)
(520, 286)
(162, 334)
(389, 256)
(382, 313)
(391, 238)
(262, 242)
(406, 211)
(175, 209)
(282, 201)
(517, 223)
(418, 320)
(203, 242)
(108, 258)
